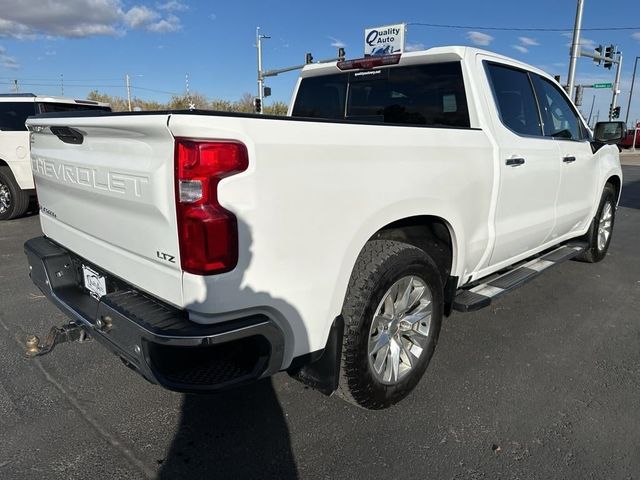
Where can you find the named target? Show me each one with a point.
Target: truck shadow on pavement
(240, 433)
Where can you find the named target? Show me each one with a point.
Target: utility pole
(593, 101)
(616, 85)
(575, 49)
(633, 80)
(61, 84)
(128, 91)
(259, 38)
(15, 86)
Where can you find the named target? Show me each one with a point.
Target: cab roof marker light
(369, 62)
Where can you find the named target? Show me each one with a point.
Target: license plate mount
(95, 283)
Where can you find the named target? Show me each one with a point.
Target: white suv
(16, 181)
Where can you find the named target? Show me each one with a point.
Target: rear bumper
(153, 338)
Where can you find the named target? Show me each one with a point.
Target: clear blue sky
(94, 43)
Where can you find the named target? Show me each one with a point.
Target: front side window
(13, 115)
(429, 95)
(559, 118)
(515, 99)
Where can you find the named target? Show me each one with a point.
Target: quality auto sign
(384, 40)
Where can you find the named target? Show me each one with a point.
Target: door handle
(569, 159)
(514, 162)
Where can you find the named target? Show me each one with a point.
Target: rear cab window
(51, 107)
(431, 95)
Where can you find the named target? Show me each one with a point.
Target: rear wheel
(601, 229)
(13, 201)
(392, 313)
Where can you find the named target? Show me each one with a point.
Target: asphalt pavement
(545, 383)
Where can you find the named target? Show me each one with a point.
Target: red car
(628, 140)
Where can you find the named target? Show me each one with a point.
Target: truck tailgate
(105, 186)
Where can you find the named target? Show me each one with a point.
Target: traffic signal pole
(260, 96)
(610, 57)
(616, 87)
(575, 49)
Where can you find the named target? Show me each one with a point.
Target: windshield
(428, 95)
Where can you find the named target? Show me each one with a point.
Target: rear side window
(47, 107)
(14, 114)
(515, 99)
(428, 95)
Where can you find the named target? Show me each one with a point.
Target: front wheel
(392, 312)
(601, 229)
(13, 201)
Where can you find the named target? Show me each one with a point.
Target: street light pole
(633, 79)
(575, 49)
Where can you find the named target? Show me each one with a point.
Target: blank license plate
(94, 282)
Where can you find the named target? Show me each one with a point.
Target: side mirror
(610, 132)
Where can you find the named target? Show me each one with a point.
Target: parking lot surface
(544, 383)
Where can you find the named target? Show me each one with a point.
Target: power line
(58, 85)
(58, 79)
(133, 87)
(518, 29)
(154, 90)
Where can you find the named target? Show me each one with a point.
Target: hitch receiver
(71, 332)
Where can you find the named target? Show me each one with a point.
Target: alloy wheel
(400, 328)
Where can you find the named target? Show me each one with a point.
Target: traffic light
(308, 58)
(610, 111)
(599, 50)
(258, 104)
(616, 112)
(341, 53)
(609, 51)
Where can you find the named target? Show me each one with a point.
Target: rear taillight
(208, 234)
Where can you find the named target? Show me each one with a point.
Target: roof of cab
(32, 97)
(431, 55)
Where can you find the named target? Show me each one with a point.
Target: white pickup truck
(210, 249)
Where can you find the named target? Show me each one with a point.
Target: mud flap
(321, 370)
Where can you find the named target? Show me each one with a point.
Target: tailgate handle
(68, 135)
(514, 162)
(569, 159)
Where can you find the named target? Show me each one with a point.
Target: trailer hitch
(72, 332)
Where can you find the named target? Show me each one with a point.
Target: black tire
(17, 199)
(381, 264)
(594, 252)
